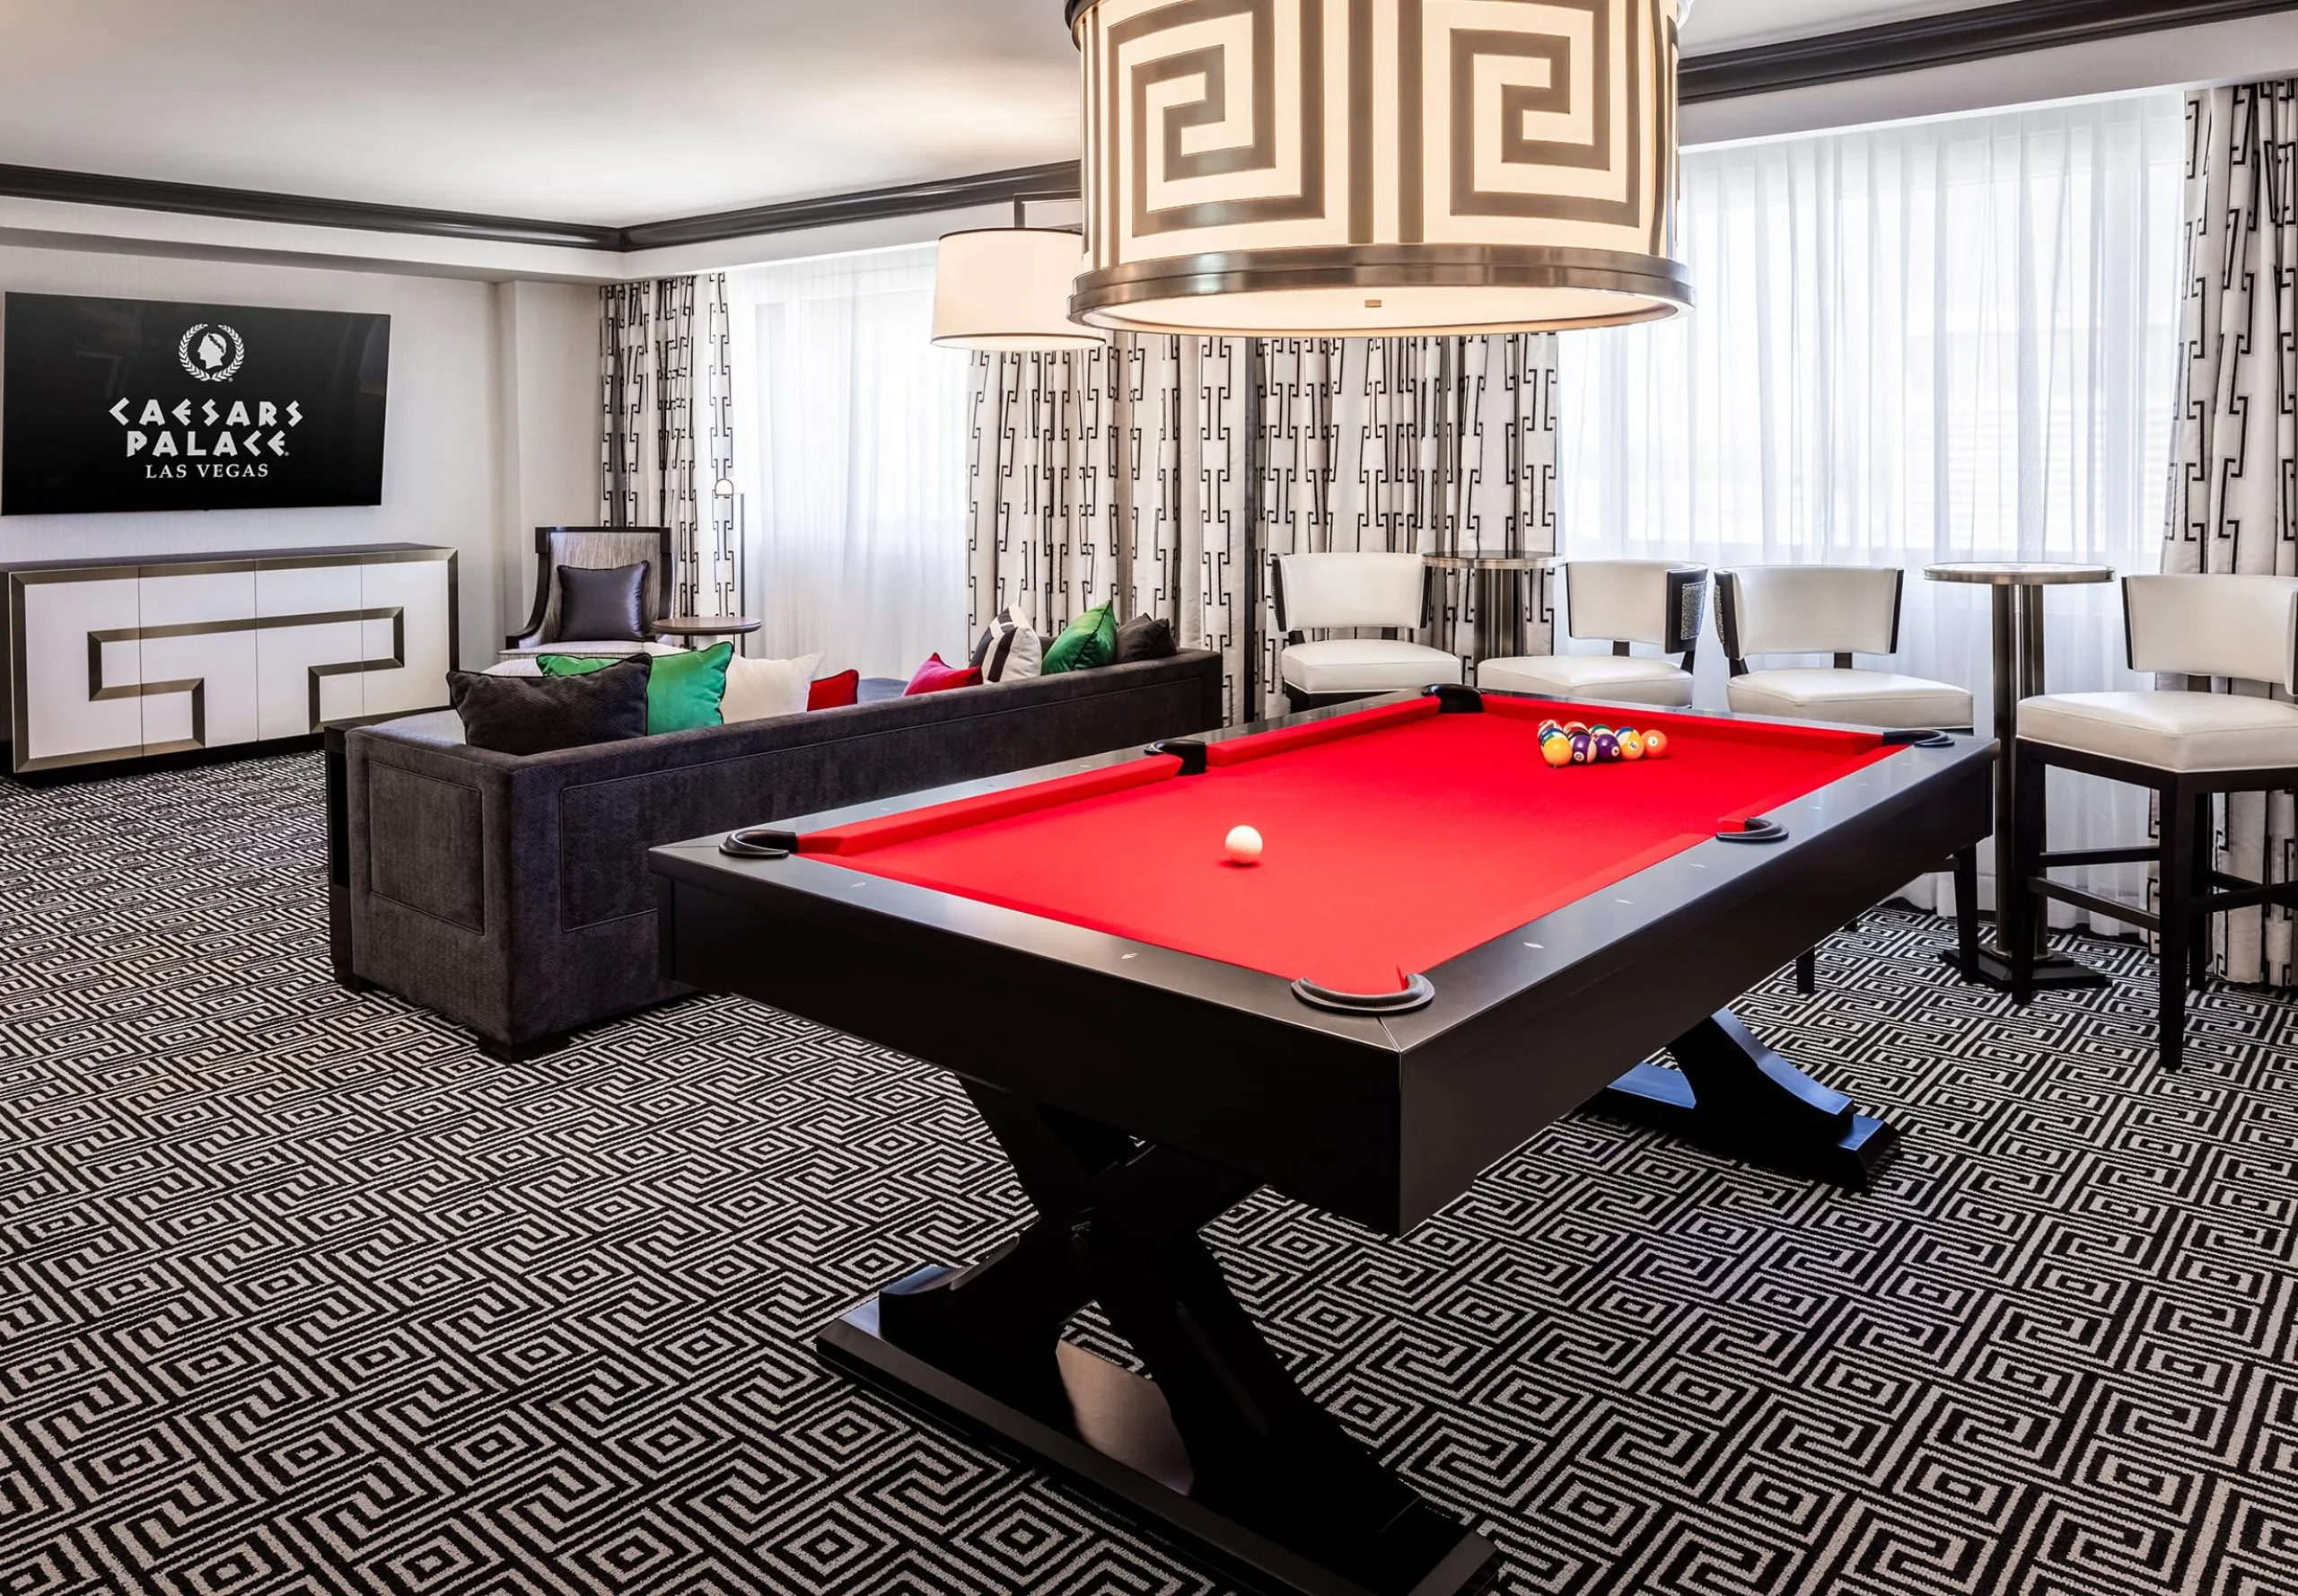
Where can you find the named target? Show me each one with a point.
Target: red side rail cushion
(862, 835)
(1286, 739)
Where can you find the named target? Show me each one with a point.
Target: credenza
(141, 656)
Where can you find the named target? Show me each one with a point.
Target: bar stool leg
(2206, 860)
(1807, 971)
(2177, 884)
(2019, 914)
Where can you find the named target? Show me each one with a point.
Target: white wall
(459, 457)
(547, 344)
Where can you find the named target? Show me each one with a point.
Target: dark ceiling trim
(1056, 180)
(1945, 40)
(247, 205)
(1949, 38)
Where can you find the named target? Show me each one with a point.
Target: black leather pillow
(603, 606)
(1145, 638)
(533, 715)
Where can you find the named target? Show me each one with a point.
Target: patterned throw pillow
(1089, 643)
(1009, 651)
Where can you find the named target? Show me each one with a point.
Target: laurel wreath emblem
(239, 352)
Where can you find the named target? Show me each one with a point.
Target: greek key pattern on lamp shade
(1338, 167)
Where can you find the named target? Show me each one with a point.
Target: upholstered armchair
(1658, 603)
(592, 548)
(1839, 610)
(1387, 592)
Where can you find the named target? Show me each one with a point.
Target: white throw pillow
(760, 689)
(1009, 651)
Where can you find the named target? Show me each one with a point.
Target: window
(853, 443)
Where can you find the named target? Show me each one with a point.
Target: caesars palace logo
(208, 440)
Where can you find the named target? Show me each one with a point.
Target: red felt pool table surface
(1396, 837)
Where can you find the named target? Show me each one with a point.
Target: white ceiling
(604, 111)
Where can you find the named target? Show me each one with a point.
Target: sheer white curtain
(1944, 340)
(853, 444)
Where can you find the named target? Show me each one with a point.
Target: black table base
(1734, 1096)
(1219, 1449)
(2053, 972)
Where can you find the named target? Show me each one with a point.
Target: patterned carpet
(298, 1293)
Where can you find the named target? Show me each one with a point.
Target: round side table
(2017, 589)
(693, 628)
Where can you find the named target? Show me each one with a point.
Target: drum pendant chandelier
(1378, 168)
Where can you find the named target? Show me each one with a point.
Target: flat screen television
(127, 404)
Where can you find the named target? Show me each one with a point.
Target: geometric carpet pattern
(299, 1293)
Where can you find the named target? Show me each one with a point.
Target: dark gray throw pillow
(533, 715)
(608, 606)
(1145, 638)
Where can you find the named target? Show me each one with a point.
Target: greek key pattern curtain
(2234, 488)
(661, 386)
(1412, 446)
(1113, 473)
(1164, 472)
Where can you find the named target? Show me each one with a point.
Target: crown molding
(1944, 39)
(1948, 39)
(248, 204)
(1056, 180)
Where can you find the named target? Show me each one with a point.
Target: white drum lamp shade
(1008, 288)
(1333, 168)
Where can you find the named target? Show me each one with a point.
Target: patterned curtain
(1412, 446)
(1132, 472)
(2235, 485)
(1112, 473)
(654, 470)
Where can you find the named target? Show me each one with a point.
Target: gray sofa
(510, 894)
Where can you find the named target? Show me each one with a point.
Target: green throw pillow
(683, 692)
(1089, 643)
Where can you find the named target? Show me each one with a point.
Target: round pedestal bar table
(1499, 622)
(2017, 590)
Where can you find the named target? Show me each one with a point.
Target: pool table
(1446, 945)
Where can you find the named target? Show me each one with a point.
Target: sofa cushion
(536, 715)
(685, 693)
(1088, 642)
(608, 605)
(1145, 638)
(1009, 650)
(835, 692)
(760, 689)
(935, 677)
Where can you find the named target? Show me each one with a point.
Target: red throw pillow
(934, 677)
(835, 692)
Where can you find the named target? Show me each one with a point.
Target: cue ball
(1244, 845)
